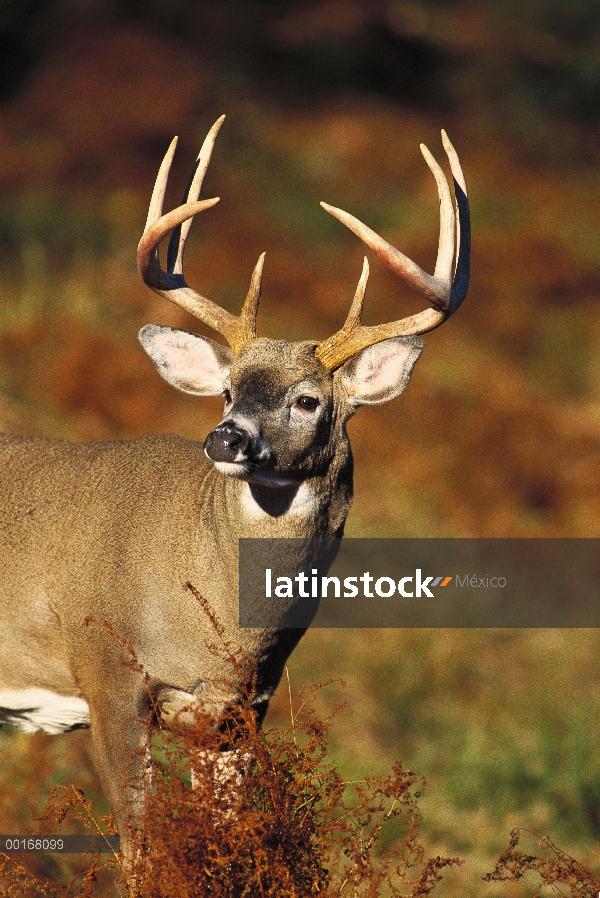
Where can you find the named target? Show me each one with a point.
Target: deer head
(281, 398)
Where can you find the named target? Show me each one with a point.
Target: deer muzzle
(227, 443)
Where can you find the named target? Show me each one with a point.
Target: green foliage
(502, 721)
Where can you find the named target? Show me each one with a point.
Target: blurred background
(498, 434)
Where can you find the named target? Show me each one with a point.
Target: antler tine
(444, 265)
(353, 319)
(444, 291)
(180, 235)
(337, 346)
(171, 284)
(160, 186)
(460, 284)
(250, 307)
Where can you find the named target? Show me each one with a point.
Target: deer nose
(226, 442)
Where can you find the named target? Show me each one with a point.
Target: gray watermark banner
(20, 844)
(297, 583)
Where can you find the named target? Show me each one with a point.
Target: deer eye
(307, 403)
(227, 396)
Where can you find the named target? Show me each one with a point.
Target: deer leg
(122, 747)
(225, 771)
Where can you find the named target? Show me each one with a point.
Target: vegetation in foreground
(270, 815)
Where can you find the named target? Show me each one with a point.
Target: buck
(113, 531)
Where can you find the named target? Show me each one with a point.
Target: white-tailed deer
(114, 531)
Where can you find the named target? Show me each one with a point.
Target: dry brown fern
(554, 869)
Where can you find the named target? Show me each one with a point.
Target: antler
(444, 291)
(171, 284)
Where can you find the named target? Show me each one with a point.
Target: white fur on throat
(303, 504)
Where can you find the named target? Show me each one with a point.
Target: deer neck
(315, 507)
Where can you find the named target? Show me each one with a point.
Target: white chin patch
(41, 709)
(240, 470)
(231, 468)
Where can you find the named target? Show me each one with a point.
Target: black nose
(226, 442)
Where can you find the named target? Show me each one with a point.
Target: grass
(510, 751)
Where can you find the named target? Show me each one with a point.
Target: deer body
(114, 531)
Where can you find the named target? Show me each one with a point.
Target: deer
(113, 531)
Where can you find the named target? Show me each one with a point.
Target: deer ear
(188, 362)
(381, 371)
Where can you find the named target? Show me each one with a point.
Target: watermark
(305, 587)
(476, 582)
(419, 583)
(20, 844)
